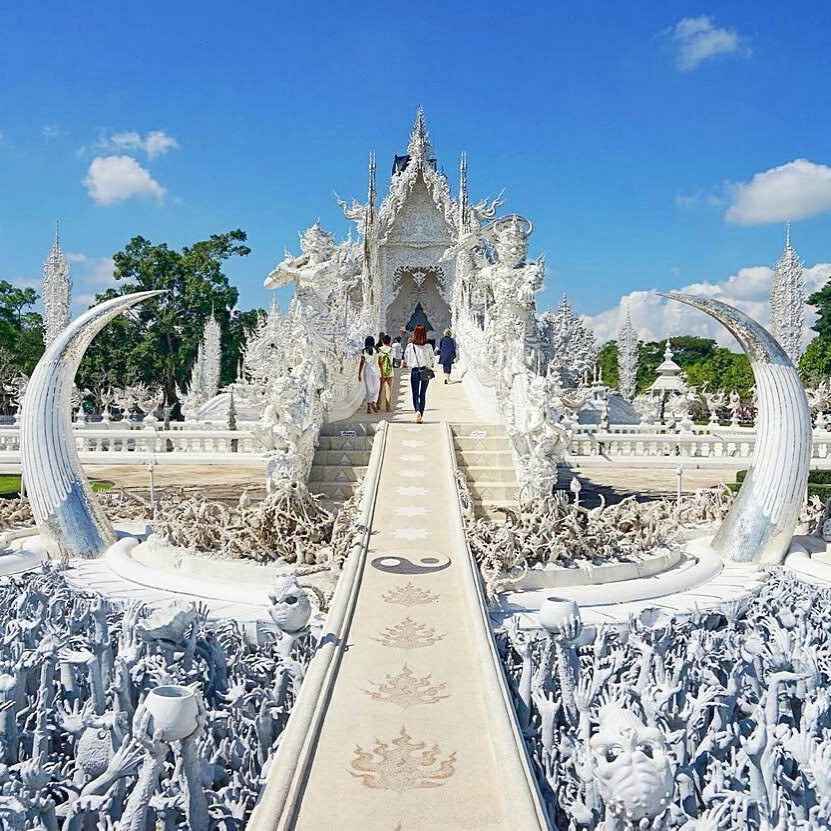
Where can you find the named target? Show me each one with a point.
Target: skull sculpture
(290, 607)
(633, 770)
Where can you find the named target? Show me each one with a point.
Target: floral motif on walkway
(402, 765)
(409, 595)
(409, 634)
(406, 690)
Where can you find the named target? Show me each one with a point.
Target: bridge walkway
(414, 728)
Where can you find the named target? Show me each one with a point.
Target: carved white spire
(787, 300)
(204, 377)
(212, 342)
(464, 210)
(569, 346)
(419, 149)
(57, 291)
(627, 358)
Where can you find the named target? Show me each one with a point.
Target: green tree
(687, 350)
(822, 300)
(724, 370)
(607, 361)
(815, 363)
(21, 331)
(158, 341)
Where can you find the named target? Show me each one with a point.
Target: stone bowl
(174, 710)
(560, 617)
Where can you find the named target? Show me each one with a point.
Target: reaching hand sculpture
(116, 715)
(717, 719)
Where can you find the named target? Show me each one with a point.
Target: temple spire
(419, 148)
(787, 300)
(371, 192)
(463, 199)
(57, 291)
(627, 358)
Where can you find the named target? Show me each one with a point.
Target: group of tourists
(382, 356)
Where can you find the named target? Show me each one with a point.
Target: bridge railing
(726, 445)
(92, 440)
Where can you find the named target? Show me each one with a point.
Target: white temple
(631, 665)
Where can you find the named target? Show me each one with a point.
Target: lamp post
(151, 468)
(679, 473)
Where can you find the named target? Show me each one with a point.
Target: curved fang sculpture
(63, 504)
(762, 520)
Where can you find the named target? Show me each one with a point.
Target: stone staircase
(340, 461)
(483, 453)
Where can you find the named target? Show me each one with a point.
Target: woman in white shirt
(419, 356)
(370, 373)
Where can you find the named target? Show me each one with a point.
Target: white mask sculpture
(290, 608)
(632, 767)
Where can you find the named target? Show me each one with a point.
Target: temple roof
(418, 162)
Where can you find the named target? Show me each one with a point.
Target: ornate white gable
(417, 174)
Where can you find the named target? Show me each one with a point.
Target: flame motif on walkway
(409, 634)
(403, 765)
(409, 595)
(406, 690)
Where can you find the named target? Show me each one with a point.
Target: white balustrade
(101, 440)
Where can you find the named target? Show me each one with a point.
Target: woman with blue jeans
(417, 356)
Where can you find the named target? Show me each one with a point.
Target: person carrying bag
(420, 358)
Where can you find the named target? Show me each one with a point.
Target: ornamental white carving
(569, 346)
(204, 376)
(627, 359)
(57, 292)
(787, 301)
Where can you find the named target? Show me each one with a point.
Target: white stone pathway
(408, 738)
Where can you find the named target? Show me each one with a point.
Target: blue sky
(630, 134)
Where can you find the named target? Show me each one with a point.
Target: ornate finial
(371, 193)
(419, 148)
(787, 300)
(668, 353)
(463, 199)
(57, 291)
(627, 357)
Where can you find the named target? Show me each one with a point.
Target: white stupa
(669, 378)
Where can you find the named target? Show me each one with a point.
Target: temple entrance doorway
(419, 319)
(418, 298)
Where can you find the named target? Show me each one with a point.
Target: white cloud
(112, 179)
(51, 131)
(795, 190)
(697, 39)
(155, 143)
(1, 135)
(90, 276)
(92, 272)
(657, 318)
(713, 198)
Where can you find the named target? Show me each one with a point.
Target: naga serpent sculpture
(64, 507)
(761, 523)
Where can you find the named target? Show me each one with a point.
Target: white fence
(729, 447)
(115, 445)
(622, 444)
